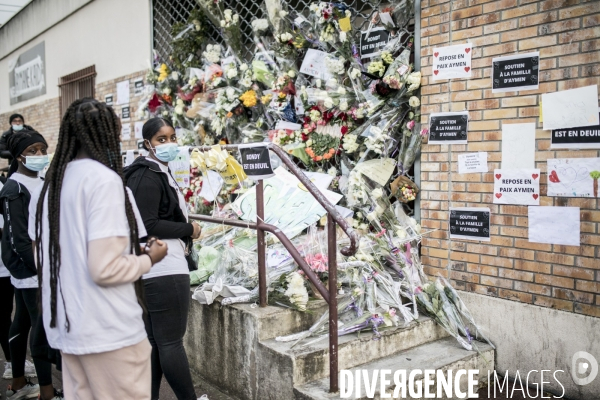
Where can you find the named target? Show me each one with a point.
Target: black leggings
(26, 317)
(168, 301)
(6, 306)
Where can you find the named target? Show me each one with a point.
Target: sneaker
(29, 391)
(7, 370)
(58, 395)
(30, 369)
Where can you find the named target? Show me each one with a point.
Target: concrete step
(222, 341)
(444, 354)
(290, 367)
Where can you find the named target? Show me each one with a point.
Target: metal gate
(167, 12)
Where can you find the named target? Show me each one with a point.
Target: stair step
(296, 366)
(444, 354)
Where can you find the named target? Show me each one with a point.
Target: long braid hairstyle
(93, 126)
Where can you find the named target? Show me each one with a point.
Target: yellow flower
(266, 99)
(281, 95)
(249, 98)
(164, 72)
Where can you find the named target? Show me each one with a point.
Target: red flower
(304, 137)
(326, 15)
(154, 103)
(290, 89)
(188, 195)
(343, 116)
(344, 130)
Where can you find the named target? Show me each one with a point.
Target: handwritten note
(554, 225)
(518, 146)
(122, 92)
(314, 64)
(211, 185)
(379, 170)
(472, 162)
(180, 167)
(573, 177)
(571, 108)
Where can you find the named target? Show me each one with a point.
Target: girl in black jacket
(167, 285)
(28, 149)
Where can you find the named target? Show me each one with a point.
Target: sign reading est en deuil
(371, 42)
(256, 161)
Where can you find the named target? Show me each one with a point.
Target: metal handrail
(333, 218)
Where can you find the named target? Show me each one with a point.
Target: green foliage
(186, 49)
(595, 174)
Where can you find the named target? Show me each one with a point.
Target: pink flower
(392, 312)
(410, 124)
(424, 132)
(317, 262)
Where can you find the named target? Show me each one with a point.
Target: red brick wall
(45, 115)
(567, 35)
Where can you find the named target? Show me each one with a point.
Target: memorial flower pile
(350, 120)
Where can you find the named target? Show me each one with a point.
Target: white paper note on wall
(573, 177)
(138, 126)
(518, 146)
(554, 225)
(571, 108)
(123, 92)
(473, 162)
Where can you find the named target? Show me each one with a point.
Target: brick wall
(108, 87)
(567, 35)
(45, 115)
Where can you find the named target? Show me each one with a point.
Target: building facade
(83, 47)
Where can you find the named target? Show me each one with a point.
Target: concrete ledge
(312, 362)
(444, 355)
(529, 337)
(221, 342)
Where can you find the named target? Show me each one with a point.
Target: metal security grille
(168, 12)
(76, 86)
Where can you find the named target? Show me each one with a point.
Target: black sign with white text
(448, 128)
(125, 113)
(587, 137)
(372, 41)
(256, 162)
(470, 223)
(108, 99)
(138, 87)
(518, 72)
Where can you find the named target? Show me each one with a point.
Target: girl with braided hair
(86, 230)
(28, 149)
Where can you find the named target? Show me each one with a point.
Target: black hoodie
(17, 250)
(157, 201)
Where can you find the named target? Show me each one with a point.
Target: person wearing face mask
(29, 152)
(166, 286)
(17, 123)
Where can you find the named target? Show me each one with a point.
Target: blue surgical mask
(36, 163)
(17, 127)
(166, 152)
